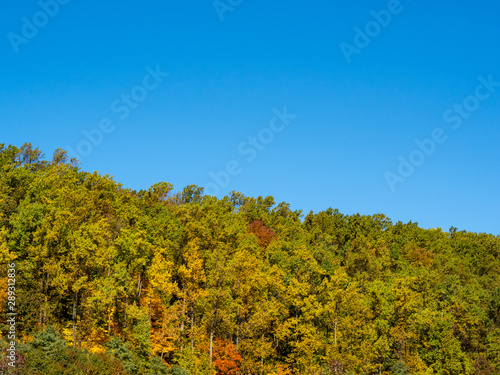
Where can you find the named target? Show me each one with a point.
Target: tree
(226, 358)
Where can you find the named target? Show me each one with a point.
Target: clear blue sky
(226, 77)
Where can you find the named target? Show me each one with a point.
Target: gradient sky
(225, 77)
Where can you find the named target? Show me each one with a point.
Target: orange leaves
(281, 370)
(421, 257)
(264, 234)
(227, 358)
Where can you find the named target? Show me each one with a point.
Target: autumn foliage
(264, 234)
(226, 358)
(119, 281)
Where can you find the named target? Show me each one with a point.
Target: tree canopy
(157, 281)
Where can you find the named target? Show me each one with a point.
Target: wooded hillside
(138, 281)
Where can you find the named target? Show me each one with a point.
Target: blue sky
(351, 144)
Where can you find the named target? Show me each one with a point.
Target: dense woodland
(115, 281)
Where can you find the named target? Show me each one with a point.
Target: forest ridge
(115, 281)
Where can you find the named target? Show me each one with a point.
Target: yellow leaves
(183, 271)
(160, 275)
(134, 248)
(46, 200)
(415, 364)
(80, 283)
(281, 370)
(407, 299)
(162, 344)
(67, 333)
(134, 312)
(312, 308)
(191, 271)
(164, 330)
(287, 328)
(6, 256)
(51, 235)
(96, 340)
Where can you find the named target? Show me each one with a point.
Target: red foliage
(264, 234)
(226, 358)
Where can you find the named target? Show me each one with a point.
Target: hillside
(135, 282)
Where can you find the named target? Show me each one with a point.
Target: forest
(109, 280)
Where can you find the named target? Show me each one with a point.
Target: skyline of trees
(145, 280)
